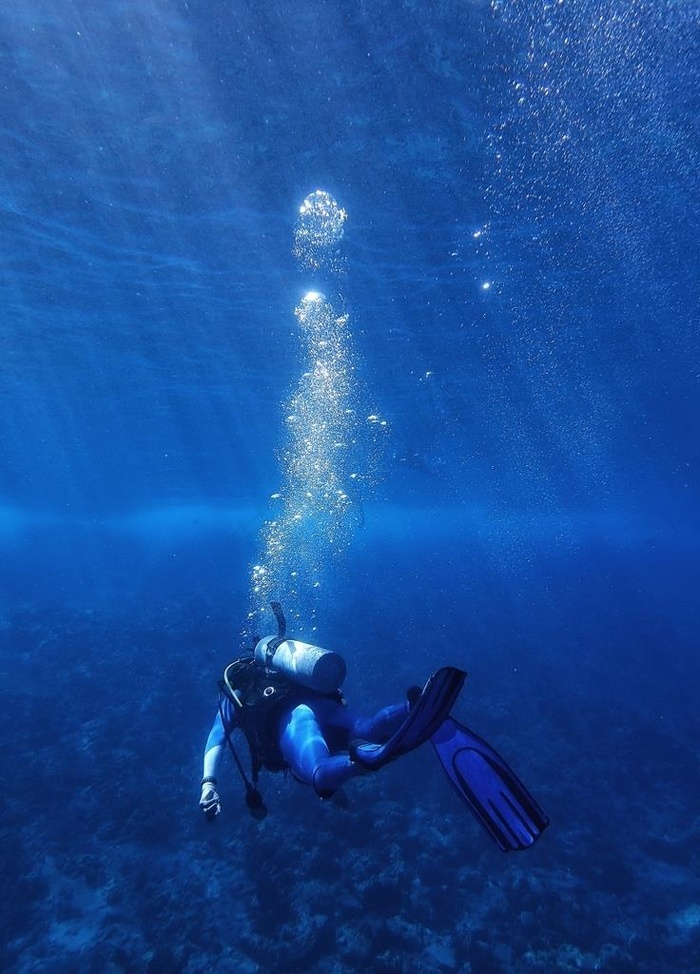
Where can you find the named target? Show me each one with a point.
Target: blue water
(521, 280)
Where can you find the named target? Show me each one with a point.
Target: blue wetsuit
(314, 736)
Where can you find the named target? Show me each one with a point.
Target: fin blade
(489, 787)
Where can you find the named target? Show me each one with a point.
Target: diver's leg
(379, 728)
(341, 724)
(305, 750)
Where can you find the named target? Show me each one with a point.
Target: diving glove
(209, 802)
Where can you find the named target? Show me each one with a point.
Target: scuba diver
(286, 700)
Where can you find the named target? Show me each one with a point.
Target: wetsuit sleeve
(217, 736)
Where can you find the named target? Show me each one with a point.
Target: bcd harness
(257, 695)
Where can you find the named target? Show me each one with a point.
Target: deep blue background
(534, 518)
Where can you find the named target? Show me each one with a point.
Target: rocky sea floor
(108, 866)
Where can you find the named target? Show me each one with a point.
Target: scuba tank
(312, 667)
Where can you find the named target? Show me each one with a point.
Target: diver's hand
(209, 801)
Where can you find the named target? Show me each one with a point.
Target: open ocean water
(498, 470)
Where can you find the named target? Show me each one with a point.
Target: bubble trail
(312, 520)
(319, 230)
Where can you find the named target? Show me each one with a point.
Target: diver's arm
(209, 800)
(212, 757)
(214, 747)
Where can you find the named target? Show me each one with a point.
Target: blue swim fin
(425, 717)
(489, 788)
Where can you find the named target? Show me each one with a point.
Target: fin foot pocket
(426, 715)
